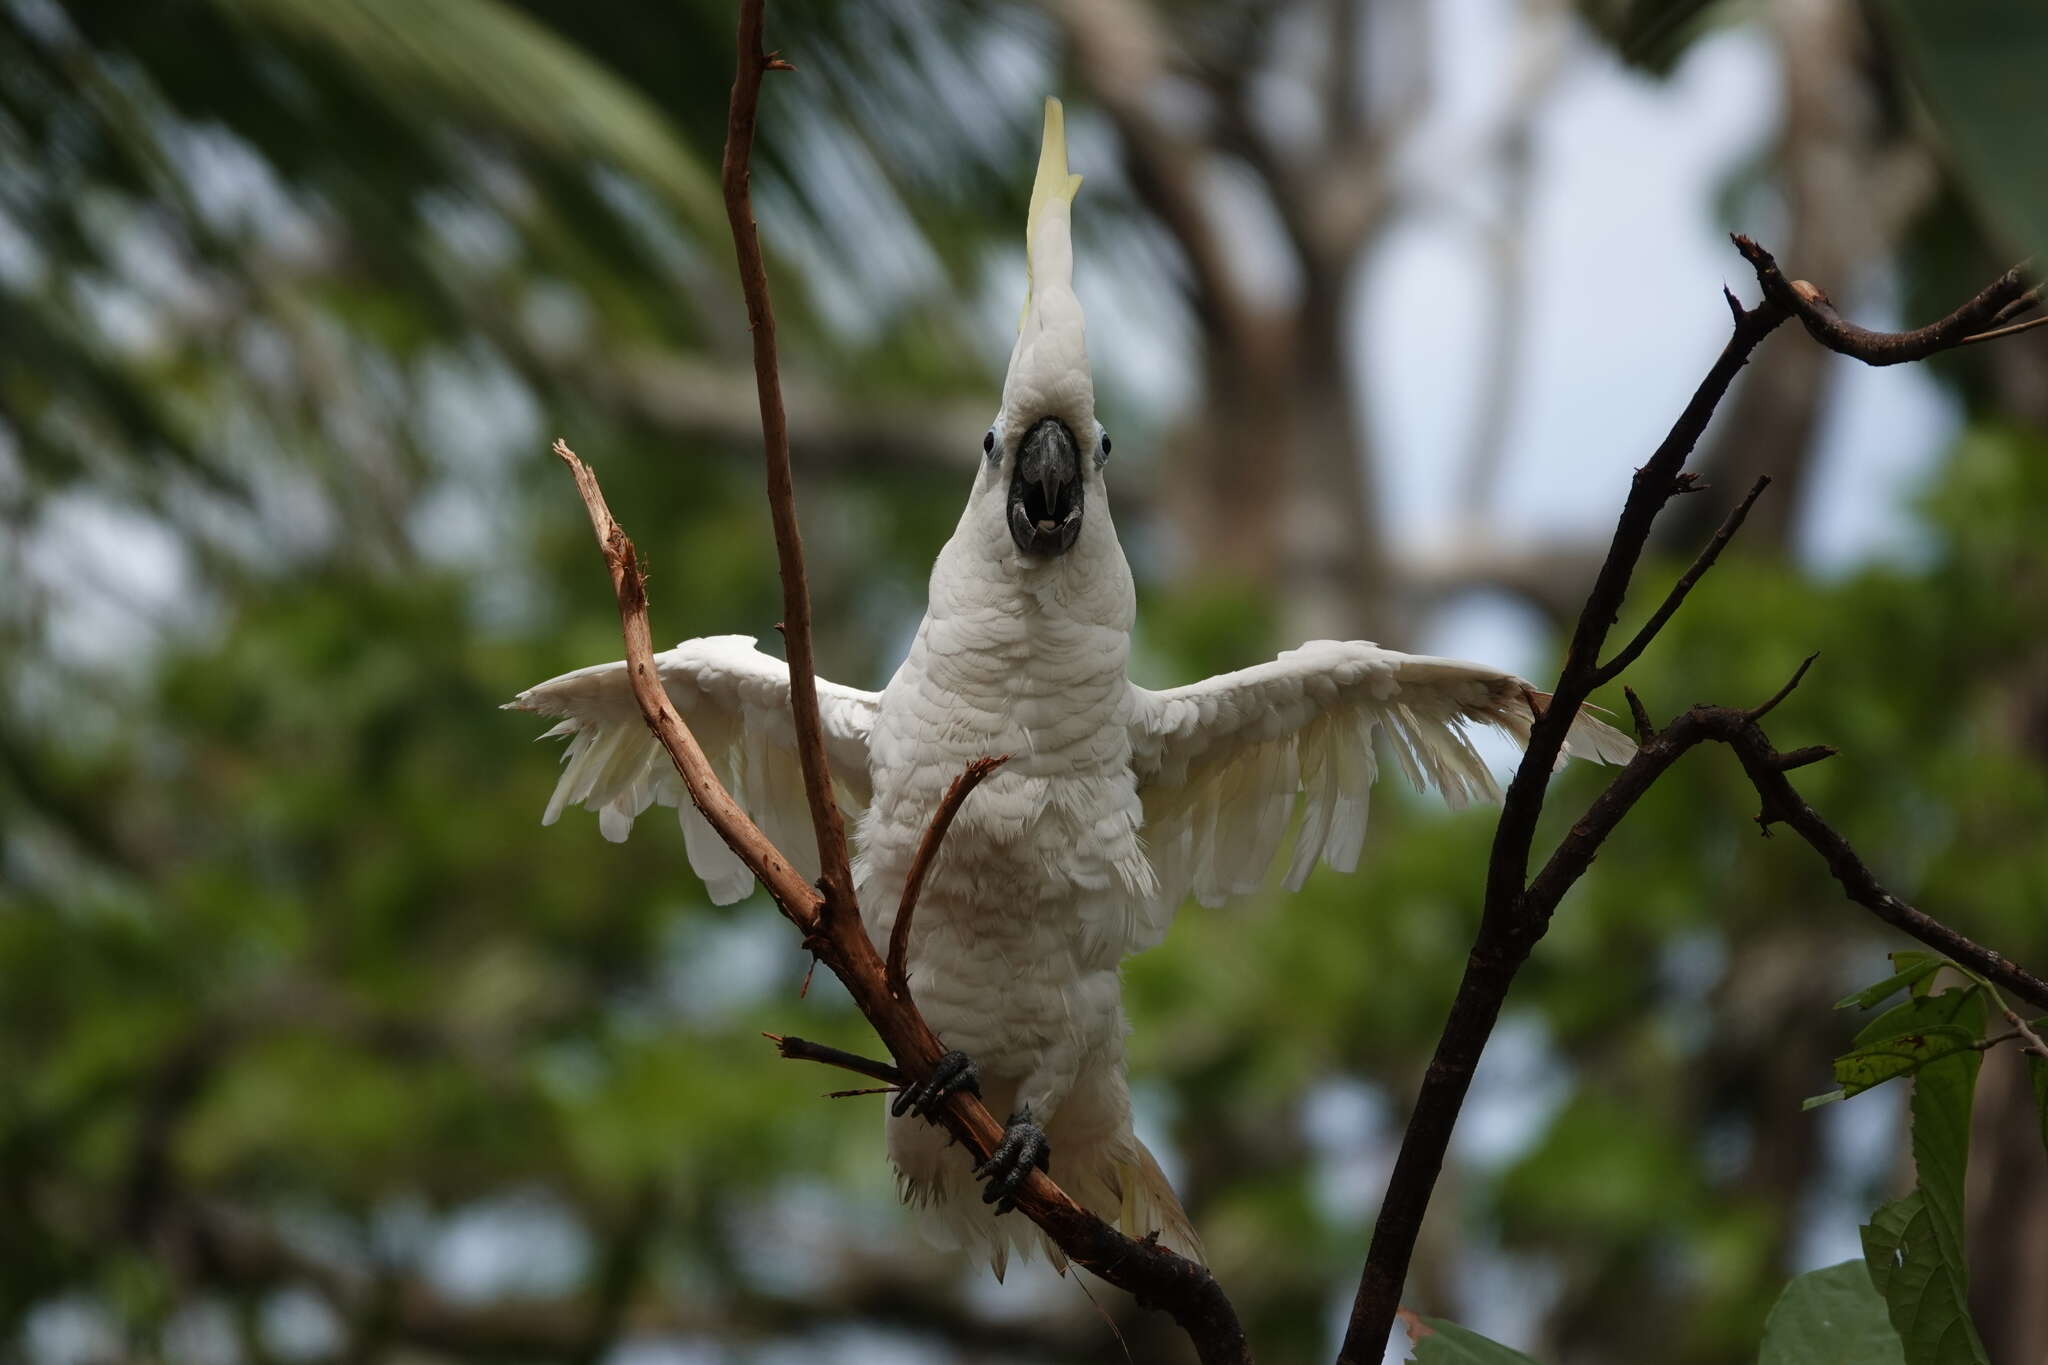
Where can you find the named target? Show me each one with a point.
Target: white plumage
(1118, 802)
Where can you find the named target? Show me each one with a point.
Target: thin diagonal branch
(1631, 651)
(1791, 685)
(2010, 329)
(796, 897)
(836, 875)
(962, 787)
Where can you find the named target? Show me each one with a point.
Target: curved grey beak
(1046, 490)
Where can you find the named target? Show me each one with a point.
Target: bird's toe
(1023, 1147)
(953, 1072)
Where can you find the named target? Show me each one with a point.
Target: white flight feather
(735, 700)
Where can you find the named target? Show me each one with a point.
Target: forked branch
(1517, 910)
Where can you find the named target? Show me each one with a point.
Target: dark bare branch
(1830, 329)
(1517, 910)
(804, 1050)
(1791, 685)
(1631, 651)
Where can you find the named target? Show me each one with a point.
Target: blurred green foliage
(293, 993)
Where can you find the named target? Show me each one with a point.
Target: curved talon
(954, 1071)
(1024, 1146)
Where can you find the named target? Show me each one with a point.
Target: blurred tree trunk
(1271, 481)
(2008, 1192)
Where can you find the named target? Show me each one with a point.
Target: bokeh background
(314, 1047)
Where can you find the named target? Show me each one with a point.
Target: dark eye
(1105, 443)
(988, 442)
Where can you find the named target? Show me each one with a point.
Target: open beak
(1046, 491)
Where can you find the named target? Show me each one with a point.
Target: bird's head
(1046, 449)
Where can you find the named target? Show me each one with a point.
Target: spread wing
(735, 699)
(1219, 762)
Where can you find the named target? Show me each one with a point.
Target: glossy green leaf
(1978, 64)
(1438, 1341)
(1914, 1246)
(1900, 1056)
(1831, 1317)
(1913, 968)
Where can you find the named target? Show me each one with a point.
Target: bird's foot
(1024, 1146)
(954, 1071)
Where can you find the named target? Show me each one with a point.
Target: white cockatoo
(1117, 803)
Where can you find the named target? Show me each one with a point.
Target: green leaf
(1831, 1317)
(1908, 1036)
(1914, 1246)
(1902, 1055)
(1977, 62)
(1438, 1341)
(1952, 1006)
(494, 61)
(1913, 968)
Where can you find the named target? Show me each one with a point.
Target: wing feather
(1220, 763)
(735, 700)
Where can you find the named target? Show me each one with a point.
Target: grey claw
(1024, 1146)
(954, 1071)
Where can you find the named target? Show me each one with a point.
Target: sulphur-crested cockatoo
(1116, 805)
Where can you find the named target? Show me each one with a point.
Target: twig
(927, 849)
(836, 876)
(796, 897)
(804, 1050)
(1517, 910)
(1611, 670)
(2012, 329)
(1791, 684)
(1828, 327)
(2025, 303)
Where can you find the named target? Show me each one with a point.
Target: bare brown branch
(836, 876)
(927, 849)
(799, 900)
